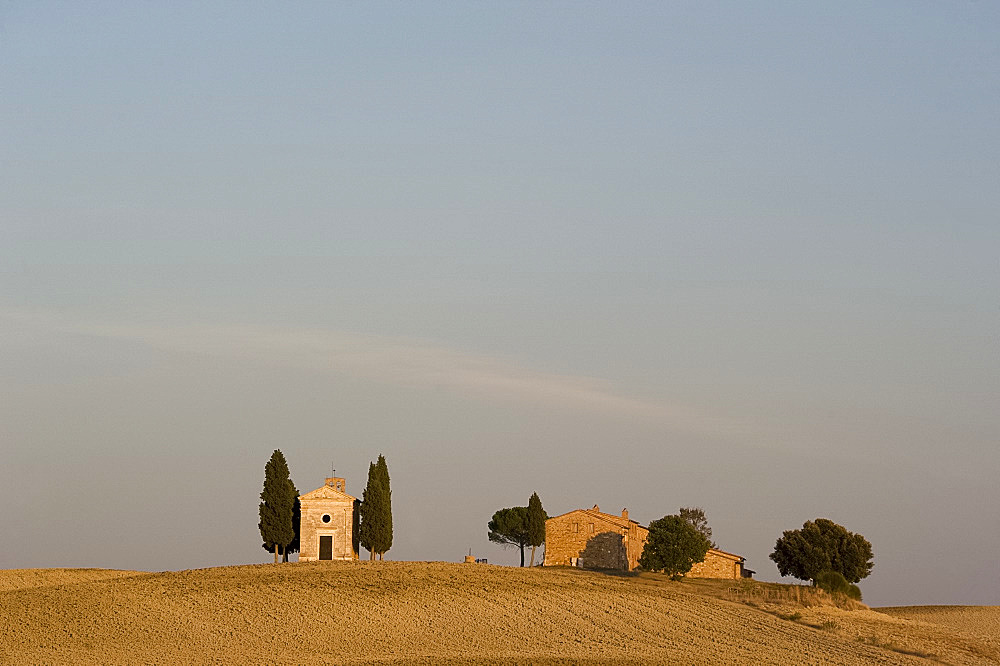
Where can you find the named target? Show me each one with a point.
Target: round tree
(823, 545)
(673, 546)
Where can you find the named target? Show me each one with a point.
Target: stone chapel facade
(328, 529)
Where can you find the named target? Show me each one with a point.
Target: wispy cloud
(390, 360)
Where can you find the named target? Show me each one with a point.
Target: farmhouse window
(592, 528)
(576, 527)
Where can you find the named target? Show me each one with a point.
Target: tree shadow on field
(615, 573)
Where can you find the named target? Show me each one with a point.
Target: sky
(741, 256)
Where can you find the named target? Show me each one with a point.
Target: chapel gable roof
(327, 492)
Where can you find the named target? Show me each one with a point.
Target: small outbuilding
(328, 529)
(720, 564)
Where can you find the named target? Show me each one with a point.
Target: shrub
(832, 582)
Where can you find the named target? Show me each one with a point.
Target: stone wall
(605, 550)
(636, 541)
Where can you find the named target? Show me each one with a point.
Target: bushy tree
(823, 545)
(277, 506)
(509, 527)
(536, 524)
(673, 546)
(696, 516)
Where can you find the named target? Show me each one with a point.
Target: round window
(326, 517)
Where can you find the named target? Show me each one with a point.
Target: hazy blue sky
(744, 256)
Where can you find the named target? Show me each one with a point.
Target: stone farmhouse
(593, 539)
(328, 529)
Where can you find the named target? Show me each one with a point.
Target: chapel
(328, 529)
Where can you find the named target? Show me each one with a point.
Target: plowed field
(438, 612)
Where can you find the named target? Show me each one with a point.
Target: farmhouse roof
(607, 517)
(739, 558)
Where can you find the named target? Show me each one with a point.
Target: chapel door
(326, 547)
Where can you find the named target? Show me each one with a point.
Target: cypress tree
(356, 527)
(370, 510)
(277, 506)
(293, 547)
(536, 524)
(384, 540)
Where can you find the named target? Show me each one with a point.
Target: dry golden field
(349, 612)
(982, 622)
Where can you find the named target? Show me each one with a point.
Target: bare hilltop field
(351, 612)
